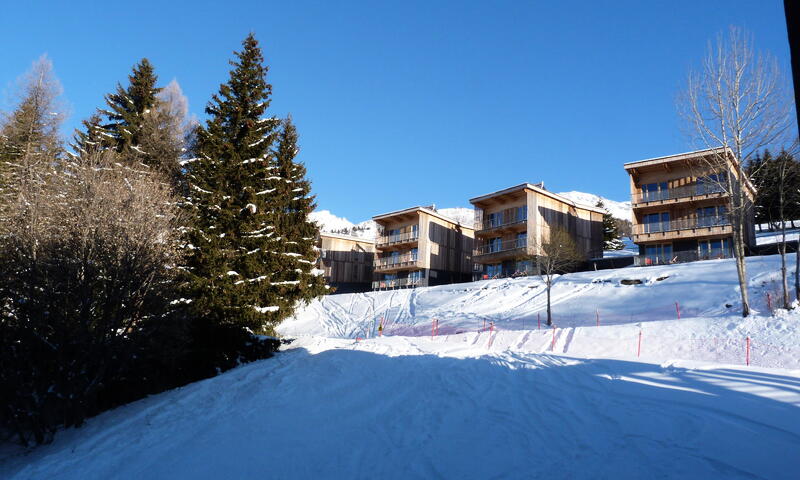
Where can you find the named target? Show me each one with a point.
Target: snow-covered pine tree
(611, 236)
(127, 108)
(233, 249)
(88, 140)
(297, 279)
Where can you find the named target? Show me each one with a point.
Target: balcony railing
(680, 257)
(685, 191)
(398, 283)
(504, 246)
(680, 224)
(404, 260)
(486, 224)
(397, 238)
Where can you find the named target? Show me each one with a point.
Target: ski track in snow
(406, 407)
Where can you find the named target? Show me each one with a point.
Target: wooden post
(678, 309)
(639, 347)
(539, 320)
(769, 302)
(597, 315)
(747, 352)
(553, 344)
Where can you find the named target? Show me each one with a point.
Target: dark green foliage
(233, 247)
(777, 182)
(127, 109)
(89, 140)
(611, 235)
(293, 203)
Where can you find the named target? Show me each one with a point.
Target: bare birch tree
(736, 103)
(558, 254)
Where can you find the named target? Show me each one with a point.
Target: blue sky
(415, 102)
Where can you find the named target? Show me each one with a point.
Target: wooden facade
(512, 224)
(420, 247)
(679, 207)
(346, 262)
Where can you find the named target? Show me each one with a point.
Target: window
(656, 222)
(495, 244)
(524, 267)
(655, 191)
(658, 254)
(716, 248)
(494, 270)
(710, 183)
(414, 252)
(711, 216)
(522, 240)
(414, 230)
(495, 219)
(521, 213)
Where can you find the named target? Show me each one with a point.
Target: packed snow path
(407, 407)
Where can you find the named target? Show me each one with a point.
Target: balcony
(496, 225)
(692, 192)
(397, 239)
(498, 251)
(681, 228)
(396, 262)
(398, 283)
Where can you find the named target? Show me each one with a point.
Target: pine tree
(127, 109)
(611, 236)
(298, 279)
(89, 140)
(233, 248)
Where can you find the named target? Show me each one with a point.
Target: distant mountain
(621, 210)
(328, 222)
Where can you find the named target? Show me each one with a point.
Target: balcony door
(495, 244)
(658, 254)
(717, 248)
(654, 191)
(656, 222)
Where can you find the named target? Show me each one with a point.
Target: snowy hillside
(642, 395)
(705, 293)
(621, 210)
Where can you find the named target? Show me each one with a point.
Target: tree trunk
(784, 276)
(741, 268)
(549, 313)
(797, 271)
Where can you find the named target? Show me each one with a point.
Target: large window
(495, 219)
(656, 222)
(521, 213)
(655, 191)
(710, 183)
(494, 270)
(495, 244)
(717, 248)
(658, 254)
(522, 240)
(414, 252)
(711, 216)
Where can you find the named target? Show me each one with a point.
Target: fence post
(678, 309)
(747, 351)
(539, 320)
(380, 328)
(597, 314)
(639, 347)
(484, 325)
(553, 344)
(433, 327)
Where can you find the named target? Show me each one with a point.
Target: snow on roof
(342, 236)
(539, 188)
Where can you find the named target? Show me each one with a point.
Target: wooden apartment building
(346, 262)
(679, 208)
(420, 247)
(512, 224)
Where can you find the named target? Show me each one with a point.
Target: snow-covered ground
(642, 395)
(411, 407)
(768, 238)
(630, 249)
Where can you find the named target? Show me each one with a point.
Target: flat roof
(537, 188)
(427, 210)
(674, 157)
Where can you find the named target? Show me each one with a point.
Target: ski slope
(408, 408)
(642, 395)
